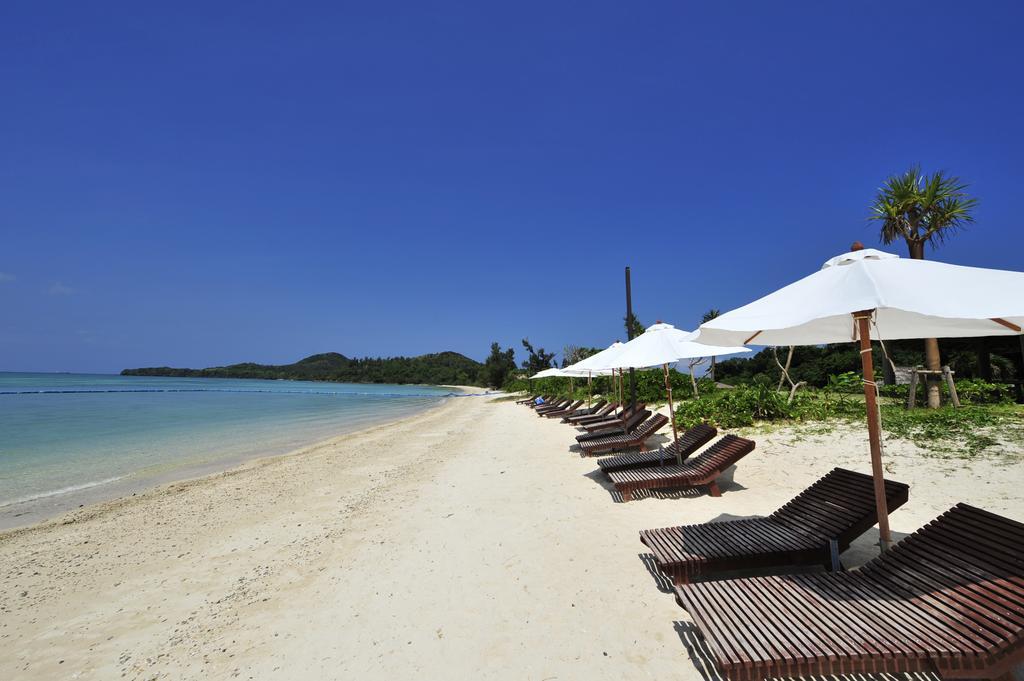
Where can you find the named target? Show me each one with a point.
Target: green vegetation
(813, 364)
(536, 360)
(987, 418)
(448, 368)
(498, 367)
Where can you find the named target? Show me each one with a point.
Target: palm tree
(708, 316)
(923, 209)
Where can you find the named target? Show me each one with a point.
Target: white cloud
(6, 276)
(59, 289)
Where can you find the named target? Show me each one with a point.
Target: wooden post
(672, 414)
(912, 393)
(863, 320)
(629, 332)
(590, 388)
(953, 397)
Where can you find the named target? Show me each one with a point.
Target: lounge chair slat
(948, 598)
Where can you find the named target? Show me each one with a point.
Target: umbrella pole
(672, 417)
(863, 320)
(590, 388)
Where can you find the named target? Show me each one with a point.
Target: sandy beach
(464, 542)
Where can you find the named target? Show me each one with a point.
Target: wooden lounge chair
(615, 413)
(584, 411)
(547, 401)
(528, 400)
(688, 443)
(620, 427)
(559, 413)
(599, 415)
(839, 507)
(551, 406)
(637, 439)
(613, 421)
(703, 469)
(948, 599)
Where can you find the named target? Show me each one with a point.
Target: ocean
(72, 439)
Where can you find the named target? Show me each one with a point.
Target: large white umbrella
(900, 298)
(547, 373)
(663, 344)
(594, 364)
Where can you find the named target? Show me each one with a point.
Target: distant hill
(448, 368)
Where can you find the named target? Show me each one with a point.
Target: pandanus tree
(923, 209)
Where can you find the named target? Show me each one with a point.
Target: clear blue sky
(197, 184)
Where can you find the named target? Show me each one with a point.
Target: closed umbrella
(663, 344)
(900, 298)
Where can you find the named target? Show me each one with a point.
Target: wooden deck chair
(838, 507)
(703, 469)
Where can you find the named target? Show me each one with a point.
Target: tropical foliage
(536, 360)
(921, 209)
(498, 366)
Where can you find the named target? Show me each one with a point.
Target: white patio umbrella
(663, 344)
(571, 370)
(901, 298)
(547, 373)
(592, 364)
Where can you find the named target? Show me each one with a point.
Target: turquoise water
(68, 439)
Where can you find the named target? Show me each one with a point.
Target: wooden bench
(839, 507)
(704, 469)
(637, 439)
(948, 599)
(688, 443)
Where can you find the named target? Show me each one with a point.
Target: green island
(442, 368)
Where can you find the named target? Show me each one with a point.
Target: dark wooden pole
(629, 333)
(672, 416)
(863, 320)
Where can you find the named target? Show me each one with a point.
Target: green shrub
(969, 390)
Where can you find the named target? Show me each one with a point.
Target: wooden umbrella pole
(863, 319)
(590, 388)
(672, 416)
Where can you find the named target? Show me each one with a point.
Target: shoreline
(54, 506)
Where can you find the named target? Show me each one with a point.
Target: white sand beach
(465, 542)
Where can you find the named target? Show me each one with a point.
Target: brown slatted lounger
(948, 599)
(617, 443)
(559, 413)
(622, 428)
(551, 406)
(614, 423)
(688, 443)
(604, 415)
(527, 400)
(703, 469)
(534, 405)
(598, 415)
(839, 506)
(587, 411)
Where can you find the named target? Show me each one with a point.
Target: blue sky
(199, 184)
